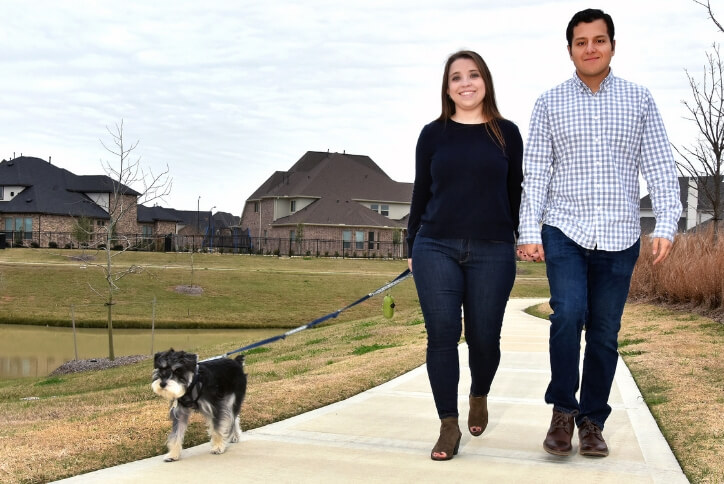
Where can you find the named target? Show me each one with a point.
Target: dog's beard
(172, 391)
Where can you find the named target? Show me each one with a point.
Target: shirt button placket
(598, 169)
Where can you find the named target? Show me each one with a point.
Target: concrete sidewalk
(386, 434)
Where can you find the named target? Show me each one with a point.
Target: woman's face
(466, 87)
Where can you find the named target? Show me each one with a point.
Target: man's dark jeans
(588, 288)
(477, 275)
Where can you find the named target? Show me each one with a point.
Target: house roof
(53, 190)
(335, 175)
(225, 220)
(157, 214)
(331, 211)
(338, 182)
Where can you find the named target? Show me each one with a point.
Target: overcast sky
(225, 93)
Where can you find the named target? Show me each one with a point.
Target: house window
(23, 227)
(293, 206)
(292, 235)
(2, 193)
(375, 207)
(385, 210)
(359, 240)
(371, 239)
(101, 223)
(346, 239)
(146, 231)
(256, 207)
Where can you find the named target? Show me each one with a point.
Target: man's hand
(531, 252)
(409, 264)
(661, 249)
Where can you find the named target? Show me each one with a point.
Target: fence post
(153, 321)
(75, 342)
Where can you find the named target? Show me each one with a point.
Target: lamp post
(210, 227)
(198, 225)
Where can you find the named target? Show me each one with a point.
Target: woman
(461, 237)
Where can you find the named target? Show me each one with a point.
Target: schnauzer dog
(214, 388)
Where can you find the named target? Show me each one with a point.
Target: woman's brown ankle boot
(478, 415)
(449, 441)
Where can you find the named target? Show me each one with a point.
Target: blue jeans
(477, 275)
(588, 290)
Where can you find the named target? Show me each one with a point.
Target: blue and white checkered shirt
(582, 162)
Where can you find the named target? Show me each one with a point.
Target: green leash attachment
(388, 306)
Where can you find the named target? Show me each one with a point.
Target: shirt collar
(605, 84)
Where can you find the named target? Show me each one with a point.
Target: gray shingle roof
(53, 190)
(157, 214)
(337, 175)
(331, 211)
(338, 181)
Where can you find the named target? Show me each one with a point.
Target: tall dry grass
(692, 276)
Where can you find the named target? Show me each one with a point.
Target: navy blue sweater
(466, 186)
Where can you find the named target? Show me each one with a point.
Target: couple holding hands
(570, 198)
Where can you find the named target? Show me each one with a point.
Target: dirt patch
(82, 257)
(76, 366)
(190, 290)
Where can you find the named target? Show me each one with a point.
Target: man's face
(591, 51)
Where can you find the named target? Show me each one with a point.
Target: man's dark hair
(587, 16)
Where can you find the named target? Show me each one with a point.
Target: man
(589, 139)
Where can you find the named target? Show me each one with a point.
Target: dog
(214, 388)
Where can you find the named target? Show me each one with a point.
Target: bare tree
(123, 202)
(701, 161)
(707, 6)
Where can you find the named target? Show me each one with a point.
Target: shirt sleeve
(537, 168)
(514, 150)
(659, 171)
(422, 185)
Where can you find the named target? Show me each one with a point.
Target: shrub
(52, 244)
(690, 276)
(34, 245)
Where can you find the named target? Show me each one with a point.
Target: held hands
(534, 252)
(531, 252)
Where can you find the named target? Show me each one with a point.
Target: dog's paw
(170, 458)
(218, 449)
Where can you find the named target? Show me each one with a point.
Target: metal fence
(233, 243)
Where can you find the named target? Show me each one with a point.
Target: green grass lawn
(40, 286)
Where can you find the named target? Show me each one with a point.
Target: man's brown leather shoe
(558, 439)
(590, 440)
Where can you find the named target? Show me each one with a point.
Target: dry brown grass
(88, 421)
(676, 359)
(692, 276)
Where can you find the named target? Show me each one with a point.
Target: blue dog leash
(404, 275)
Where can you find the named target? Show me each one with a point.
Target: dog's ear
(189, 359)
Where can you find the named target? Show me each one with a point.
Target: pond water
(35, 351)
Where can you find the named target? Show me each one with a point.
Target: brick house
(42, 203)
(330, 202)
